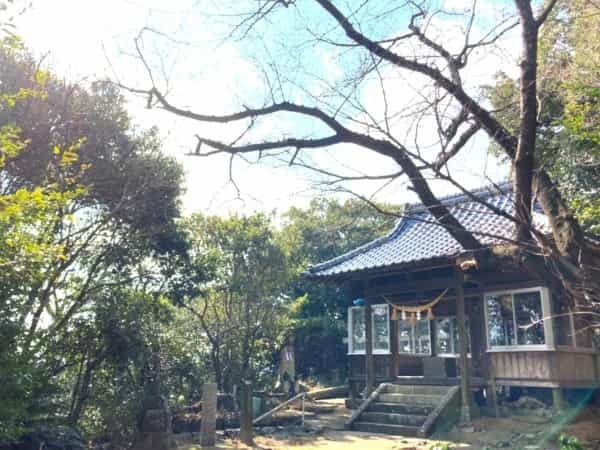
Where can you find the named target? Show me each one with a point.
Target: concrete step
(399, 408)
(410, 420)
(420, 390)
(411, 399)
(399, 430)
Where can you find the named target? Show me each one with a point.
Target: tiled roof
(417, 238)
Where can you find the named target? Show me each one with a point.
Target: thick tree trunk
(217, 370)
(578, 262)
(524, 160)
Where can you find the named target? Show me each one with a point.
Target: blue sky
(208, 73)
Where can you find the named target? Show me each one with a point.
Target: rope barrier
(400, 312)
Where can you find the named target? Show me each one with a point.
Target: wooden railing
(301, 396)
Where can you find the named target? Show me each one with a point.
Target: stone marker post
(246, 414)
(234, 394)
(208, 425)
(155, 433)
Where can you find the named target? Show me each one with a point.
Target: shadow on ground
(523, 432)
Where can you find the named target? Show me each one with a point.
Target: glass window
(563, 330)
(357, 332)
(422, 338)
(446, 336)
(583, 331)
(405, 337)
(358, 336)
(571, 329)
(414, 339)
(500, 320)
(515, 319)
(528, 316)
(381, 328)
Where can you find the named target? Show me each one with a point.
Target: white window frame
(351, 350)
(457, 353)
(546, 315)
(414, 339)
(574, 347)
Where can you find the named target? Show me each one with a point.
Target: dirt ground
(523, 432)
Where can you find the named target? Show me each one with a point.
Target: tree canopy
(80, 230)
(568, 95)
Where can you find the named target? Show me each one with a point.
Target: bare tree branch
(445, 156)
(545, 12)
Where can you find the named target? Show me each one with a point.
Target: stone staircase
(403, 410)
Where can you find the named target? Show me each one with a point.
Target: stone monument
(155, 432)
(208, 426)
(246, 426)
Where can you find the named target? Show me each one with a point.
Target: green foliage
(240, 313)
(440, 446)
(249, 296)
(569, 102)
(28, 215)
(567, 442)
(97, 273)
(326, 229)
(83, 251)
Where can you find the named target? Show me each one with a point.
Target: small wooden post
(558, 399)
(303, 399)
(369, 363)
(465, 385)
(208, 426)
(492, 397)
(394, 369)
(246, 430)
(234, 394)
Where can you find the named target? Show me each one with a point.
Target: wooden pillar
(492, 397)
(394, 367)
(369, 363)
(463, 361)
(558, 399)
(246, 414)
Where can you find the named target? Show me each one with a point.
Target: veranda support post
(369, 363)
(465, 385)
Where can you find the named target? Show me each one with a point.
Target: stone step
(410, 420)
(411, 399)
(421, 390)
(399, 430)
(399, 408)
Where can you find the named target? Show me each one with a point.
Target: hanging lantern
(403, 315)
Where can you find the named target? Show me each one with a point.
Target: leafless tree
(448, 107)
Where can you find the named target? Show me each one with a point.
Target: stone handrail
(434, 415)
(364, 405)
